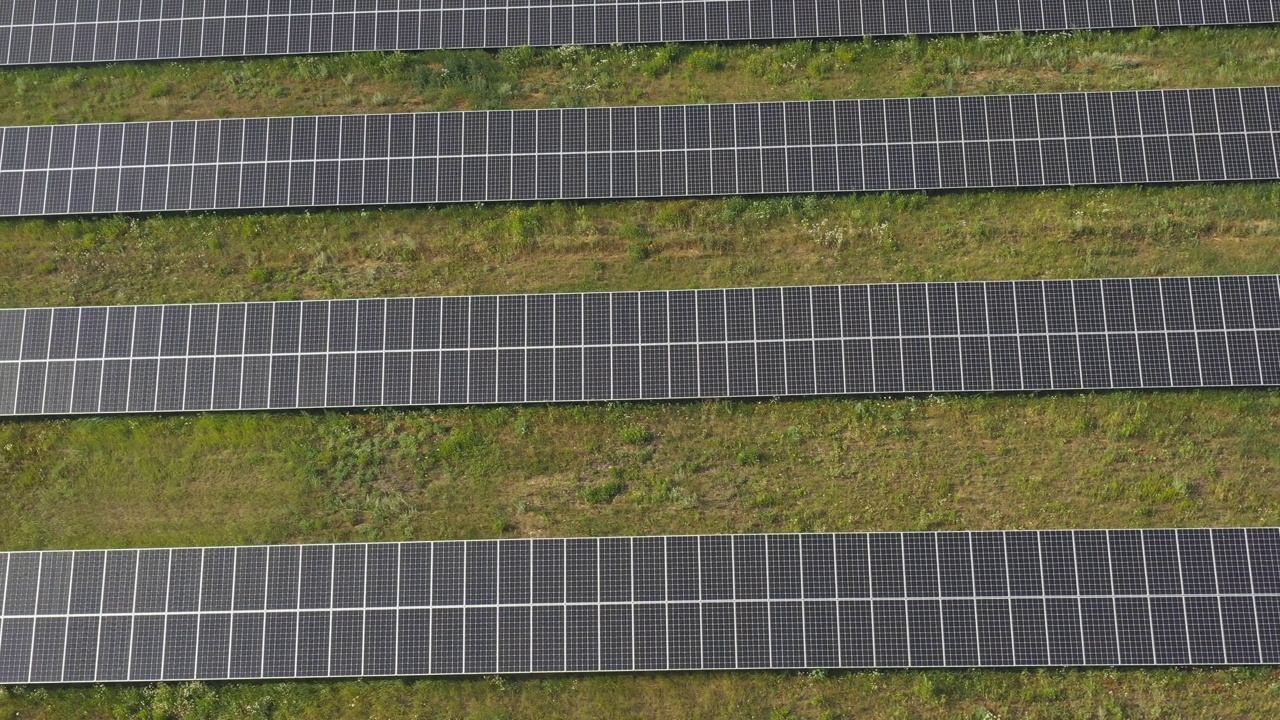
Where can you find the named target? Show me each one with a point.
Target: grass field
(1000, 461)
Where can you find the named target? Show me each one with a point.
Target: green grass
(1010, 461)
(688, 243)
(1112, 460)
(570, 76)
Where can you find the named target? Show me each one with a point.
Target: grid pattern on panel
(49, 31)
(1215, 331)
(670, 151)
(936, 599)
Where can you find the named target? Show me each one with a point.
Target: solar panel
(928, 599)
(48, 31)
(1217, 331)
(625, 152)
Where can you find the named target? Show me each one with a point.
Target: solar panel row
(681, 150)
(49, 31)
(1028, 598)
(806, 340)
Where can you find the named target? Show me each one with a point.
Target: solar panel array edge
(1188, 596)
(1214, 331)
(48, 32)
(821, 146)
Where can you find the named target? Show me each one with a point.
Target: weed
(660, 61)
(262, 275)
(706, 59)
(635, 435)
(634, 232)
(604, 492)
(523, 225)
(640, 251)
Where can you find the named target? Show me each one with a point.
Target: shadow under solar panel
(573, 347)
(1099, 138)
(860, 600)
(53, 31)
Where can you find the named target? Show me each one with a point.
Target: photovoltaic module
(1216, 331)
(884, 600)
(49, 31)
(821, 146)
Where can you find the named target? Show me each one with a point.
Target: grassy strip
(636, 245)
(1106, 460)
(980, 695)
(572, 76)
